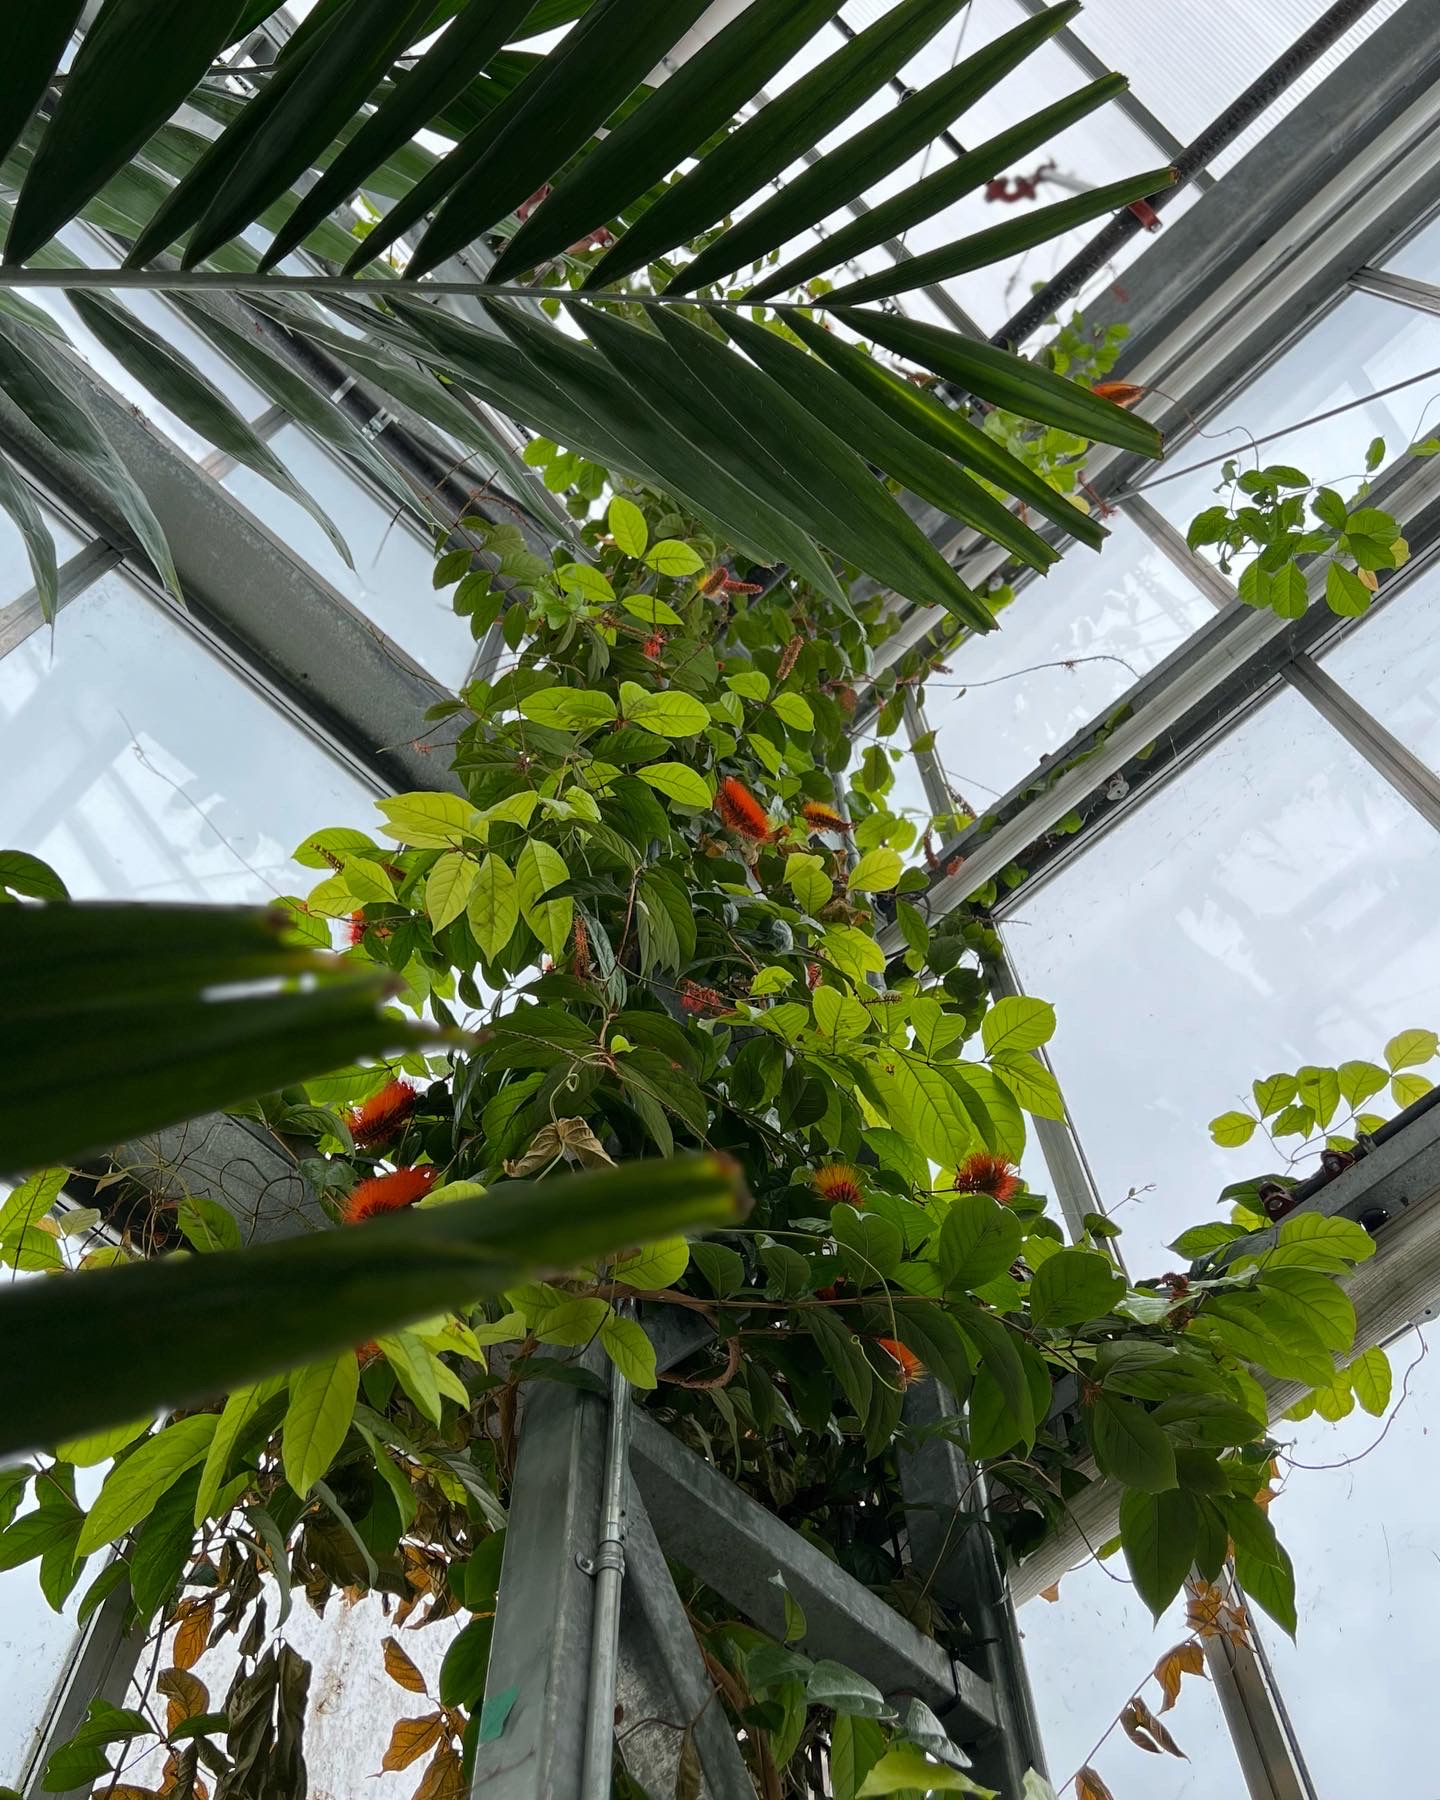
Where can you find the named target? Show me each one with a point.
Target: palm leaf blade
(698, 100)
(17, 500)
(36, 37)
(870, 154)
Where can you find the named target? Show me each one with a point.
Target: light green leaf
(793, 711)
(493, 908)
(86, 1452)
(1407, 1048)
(133, 1486)
(321, 1406)
(1370, 1377)
(560, 1318)
(651, 610)
(678, 782)
(1406, 1089)
(1359, 1080)
(876, 872)
(1319, 1090)
(653, 1266)
(979, 1239)
(1017, 1022)
(1032, 1084)
(416, 1369)
(907, 1770)
(749, 684)
(838, 1017)
(514, 809)
(1274, 1092)
(805, 876)
(568, 709)
(1232, 1129)
(939, 1124)
(625, 1343)
(853, 951)
(429, 820)
(539, 868)
(627, 526)
(587, 581)
(1074, 1286)
(673, 558)
(448, 887)
(670, 714)
(240, 1407)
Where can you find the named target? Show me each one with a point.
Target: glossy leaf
(1158, 1535)
(321, 1405)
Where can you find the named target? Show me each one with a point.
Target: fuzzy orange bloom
(714, 582)
(789, 656)
(378, 1119)
(705, 1002)
(839, 1184)
(354, 928)
(983, 1173)
(742, 812)
(824, 818)
(911, 1367)
(732, 586)
(389, 1193)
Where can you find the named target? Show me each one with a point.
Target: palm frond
(774, 438)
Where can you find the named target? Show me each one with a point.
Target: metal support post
(607, 1566)
(1264, 1748)
(950, 1544)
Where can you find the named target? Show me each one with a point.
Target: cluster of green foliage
(653, 947)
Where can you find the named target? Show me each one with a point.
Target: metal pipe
(608, 1568)
(1217, 136)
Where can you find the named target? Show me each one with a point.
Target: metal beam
(24, 616)
(1412, 779)
(735, 1545)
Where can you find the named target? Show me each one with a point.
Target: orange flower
(378, 1119)
(741, 811)
(389, 1193)
(1123, 393)
(824, 818)
(839, 1184)
(983, 1173)
(654, 646)
(911, 1367)
(354, 928)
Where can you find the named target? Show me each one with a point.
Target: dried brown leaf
(1051, 1593)
(1146, 1723)
(1205, 1609)
(400, 1669)
(187, 1694)
(571, 1138)
(445, 1778)
(411, 1738)
(1185, 1659)
(127, 1792)
(1130, 1724)
(192, 1633)
(1089, 1786)
(688, 1773)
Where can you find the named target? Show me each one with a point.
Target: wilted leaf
(1142, 1727)
(411, 1738)
(1185, 1659)
(187, 1694)
(399, 1668)
(192, 1632)
(445, 1778)
(1051, 1593)
(571, 1138)
(688, 1773)
(1089, 1786)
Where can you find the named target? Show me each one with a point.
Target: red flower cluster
(354, 928)
(376, 1120)
(704, 1002)
(389, 1193)
(983, 1173)
(742, 812)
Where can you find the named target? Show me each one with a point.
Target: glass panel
(1366, 1597)
(1391, 664)
(1364, 344)
(1421, 255)
(1273, 905)
(391, 582)
(151, 771)
(1086, 1653)
(1068, 645)
(16, 576)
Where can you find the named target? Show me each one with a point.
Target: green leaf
(1370, 1377)
(239, 1410)
(1274, 1092)
(625, 519)
(939, 1123)
(794, 712)
(1346, 593)
(466, 1663)
(188, 1324)
(19, 503)
(1407, 1048)
(905, 1769)
(838, 1017)
(673, 558)
(1158, 1534)
(448, 888)
(207, 1224)
(137, 62)
(856, 1745)
(678, 782)
(539, 869)
(1232, 1129)
(1015, 1023)
(322, 1403)
(1405, 1090)
(493, 909)
(132, 1487)
(979, 1239)
(429, 820)
(1313, 1301)
(588, 582)
(1319, 1090)
(843, 1691)
(877, 871)
(844, 1357)
(654, 1266)
(100, 1446)
(625, 1343)
(568, 708)
(1129, 1446)
(1074, 1286)
(1332, 1240)
(1359, 1081)
(670, 714)
(1032, 1084)
(805, 876)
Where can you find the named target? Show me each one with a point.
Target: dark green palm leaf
(17, 500)
(336, 78)
(948, 430)
(35, 40)
(1000, 241)
(879, 437)
(136, 64)
(779, 133)
(869, 155)
(1007, 380)
(35, 378)
(699, 99)
(597, 66)
(927, 198)
(444, 72)
(188, 1324)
